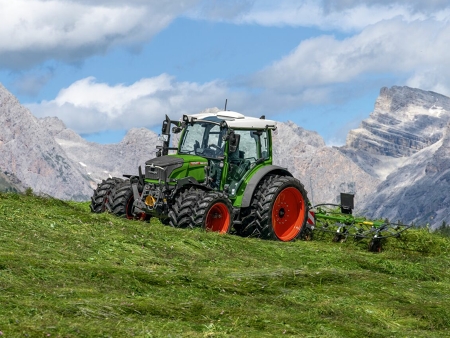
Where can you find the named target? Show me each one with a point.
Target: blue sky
(105, 66)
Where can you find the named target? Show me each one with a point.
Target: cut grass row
(65, 272)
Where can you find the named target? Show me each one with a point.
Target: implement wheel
(282, 208)
(375, 245)
(214, 213)
(101, 195)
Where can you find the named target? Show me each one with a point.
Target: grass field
(65, 272)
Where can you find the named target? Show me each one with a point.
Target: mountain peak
(404, 121)
(31, 154)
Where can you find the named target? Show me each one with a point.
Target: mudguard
(257, 177)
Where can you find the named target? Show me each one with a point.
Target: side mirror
(233, 142)
(166, 126)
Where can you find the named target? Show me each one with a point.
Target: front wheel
(122, 200)
(214, 213)
(281, 208)
(100, 198)
(181, 214)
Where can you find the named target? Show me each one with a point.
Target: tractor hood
(173, 167)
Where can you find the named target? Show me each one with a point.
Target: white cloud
(33, 31)
(89, 107)
(416, 50)
(343, 15)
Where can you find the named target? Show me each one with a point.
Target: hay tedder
(220, 177)
(338, 220)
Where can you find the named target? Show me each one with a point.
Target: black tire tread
(258, 221)
(208, 200)
(181, 213)
(101, 195)
(120, 198)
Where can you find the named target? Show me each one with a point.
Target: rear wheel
(281, 208)
(182, 211)
(122, 200)
(101, 195)
(214, 212)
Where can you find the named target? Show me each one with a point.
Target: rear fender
(257, 177)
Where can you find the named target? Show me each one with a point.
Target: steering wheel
(218, 150)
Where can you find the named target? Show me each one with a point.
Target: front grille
(154, 173)
(157, 168)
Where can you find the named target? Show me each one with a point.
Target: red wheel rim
(288, 214)
(129, 214)
(218, 218)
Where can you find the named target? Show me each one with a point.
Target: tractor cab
(231, 143)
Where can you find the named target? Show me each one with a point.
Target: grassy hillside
(65, 272)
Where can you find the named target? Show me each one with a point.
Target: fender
(257, 177)
(187, 182)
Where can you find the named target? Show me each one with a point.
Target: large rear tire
(101, 195)
(280, 207)
(181, 215)
(214, 212)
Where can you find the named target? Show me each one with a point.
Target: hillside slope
(65, 272)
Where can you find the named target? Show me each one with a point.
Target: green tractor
(221, 178)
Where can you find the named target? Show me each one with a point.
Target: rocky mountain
(324, 171)
(32, 156)
(405, 144)
(100, 161)
(9, 182)
(404, 121)
(417, 191)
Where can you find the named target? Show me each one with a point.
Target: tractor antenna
(225, 104)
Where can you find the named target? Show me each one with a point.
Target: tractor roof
(233, 120)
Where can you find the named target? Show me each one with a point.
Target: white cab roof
(235, 120)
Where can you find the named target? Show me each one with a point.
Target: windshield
(204, 139)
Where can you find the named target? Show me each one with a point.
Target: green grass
(65, 272)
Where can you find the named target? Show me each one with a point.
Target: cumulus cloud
(33, 31)
(414, 50)
(89, 107)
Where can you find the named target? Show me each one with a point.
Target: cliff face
(100, 161)
(31, 154)
(405, 143)
(9, 182)
(418, 190)
(404, 121)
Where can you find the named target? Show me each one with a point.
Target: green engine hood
(174, 167)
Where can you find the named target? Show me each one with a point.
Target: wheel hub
(281, 213)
